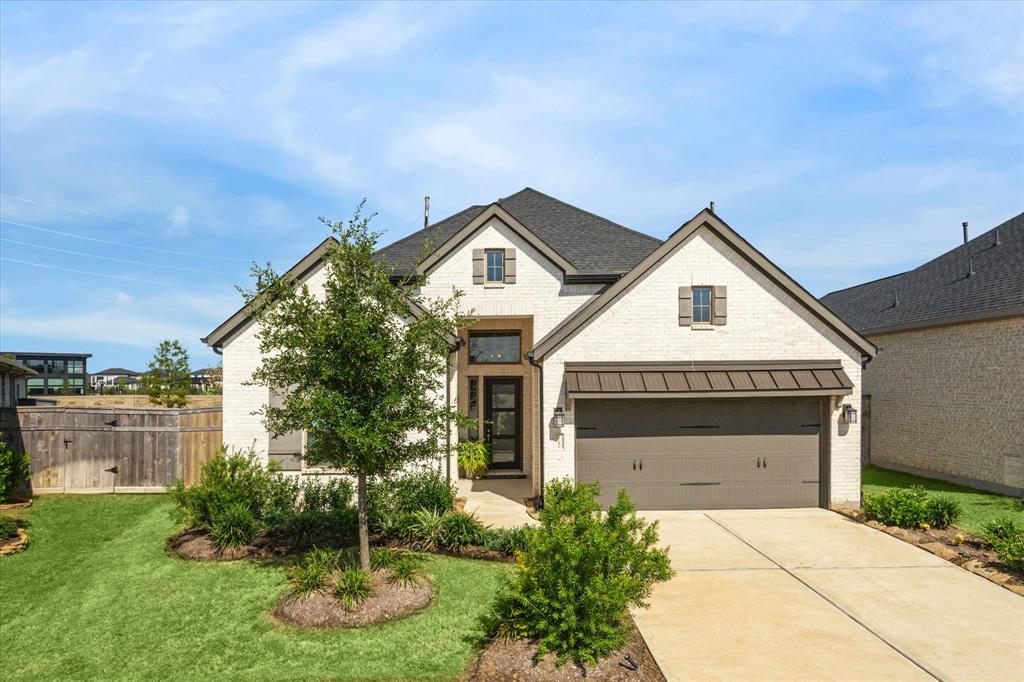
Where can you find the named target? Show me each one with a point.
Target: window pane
(75, 367)
(57, 366)
(35, 387)
(502, 347)
(474, 411)
(702, 304)
(496, 266)
(37, 365)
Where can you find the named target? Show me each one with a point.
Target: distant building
(13, 376)
(114, 376)
(55, 373)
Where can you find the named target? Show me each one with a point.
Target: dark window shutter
(718, 307)
(685, 306)
(510, 266)
(478, 266)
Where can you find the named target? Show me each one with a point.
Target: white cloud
(177, 222)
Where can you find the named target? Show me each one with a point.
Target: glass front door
(503, 421)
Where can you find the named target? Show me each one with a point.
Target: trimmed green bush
(505, 540)
(459, 530)
(353, 588)
(1007, 539)
(8, 527)
(911, 508)
(942, 511)
(15, 470)
(474, 458)
(423, 488)
(579, 573)
(234, 527)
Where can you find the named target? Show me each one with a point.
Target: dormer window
(702, 305)
(495, 266)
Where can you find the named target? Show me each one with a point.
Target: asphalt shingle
(942, 287)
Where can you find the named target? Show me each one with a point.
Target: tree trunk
(364, 531)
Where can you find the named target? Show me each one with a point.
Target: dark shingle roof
(595, 245)
(114, 370)
(941, 288)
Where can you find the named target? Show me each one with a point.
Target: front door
(503, 421)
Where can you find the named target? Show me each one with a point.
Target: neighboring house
(947, 387)
(692, 372)
(113, 376)
(13, 376)
(206, 378)
(56, 373)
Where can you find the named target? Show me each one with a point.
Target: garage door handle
(634, 465)
(758, 462)
(641, 465)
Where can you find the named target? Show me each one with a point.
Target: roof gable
(708, 220)
(942, 291)
(591, 244)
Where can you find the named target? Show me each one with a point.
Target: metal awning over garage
(707, 379)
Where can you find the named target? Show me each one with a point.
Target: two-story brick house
(692, 372)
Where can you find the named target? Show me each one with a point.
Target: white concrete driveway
(808, 594)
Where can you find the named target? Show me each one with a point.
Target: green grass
(95, 596)
(978, 507)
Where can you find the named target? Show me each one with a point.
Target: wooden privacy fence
(77, 449)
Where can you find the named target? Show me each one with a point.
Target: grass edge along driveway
(979, 507)
(96, 597)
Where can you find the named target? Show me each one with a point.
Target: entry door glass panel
(503, 417)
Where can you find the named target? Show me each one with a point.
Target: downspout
(540, 423)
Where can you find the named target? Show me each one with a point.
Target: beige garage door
(695, 454)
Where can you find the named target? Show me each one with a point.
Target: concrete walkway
(497, 502)
(810, 595)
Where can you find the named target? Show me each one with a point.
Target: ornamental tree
(360, 367)
(168, 379)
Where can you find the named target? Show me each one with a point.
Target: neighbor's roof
(942, 291)
(594, 245)
(115, 370)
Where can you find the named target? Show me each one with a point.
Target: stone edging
(15, 505)
(15, 545)
(936, 548)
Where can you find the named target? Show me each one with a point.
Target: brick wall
(764, 323)
(948, 400)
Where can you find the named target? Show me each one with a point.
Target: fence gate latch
(67, 441)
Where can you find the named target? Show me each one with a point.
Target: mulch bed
(196, 545)
(973, 554)
(390, 601)
(470, 552)
(514, 660)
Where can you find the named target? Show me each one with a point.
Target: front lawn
(95, 596)
(978, 507)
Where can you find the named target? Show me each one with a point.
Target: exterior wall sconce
(849, 414)
(559, 417)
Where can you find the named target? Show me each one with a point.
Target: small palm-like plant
(311, 574)
(474, 458)
(459, 530)
(406, 571)
(384, 557)
(353, 588)
(424, 526)
(235, 527)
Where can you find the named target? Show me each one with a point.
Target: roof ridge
(428, 227)
(864, 284)
(581, 210)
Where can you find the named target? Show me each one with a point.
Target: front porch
(498, 502)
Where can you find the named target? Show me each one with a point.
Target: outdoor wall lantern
(849, 414)
(559, 418)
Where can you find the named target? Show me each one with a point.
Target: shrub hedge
(912, 508)
(1007, 539)
(15, 469)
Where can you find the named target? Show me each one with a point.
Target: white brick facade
(764, 323)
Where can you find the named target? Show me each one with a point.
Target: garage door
(701, 454)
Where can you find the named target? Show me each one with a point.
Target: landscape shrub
(232, 478)
(15, 470)
(911, 507)
(459, 530)
(505, 540)
(384, 557)
(942, 511)
(1007, 539)
(8, 527)
(234, 527)
(474, 458)
(310, 575)
(422, 488)
(406, 570)
(423, 527)
(579, 573)
(353, 587)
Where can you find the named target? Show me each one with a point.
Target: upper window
(494, 347)
(495, 265)
(702, 305)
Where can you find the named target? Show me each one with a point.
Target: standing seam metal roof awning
(706, 379)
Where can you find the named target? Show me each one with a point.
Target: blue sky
(846, 141)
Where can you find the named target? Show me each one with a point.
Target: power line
(117, 260)
(103, 274)
(63, 208)
(113, 243)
